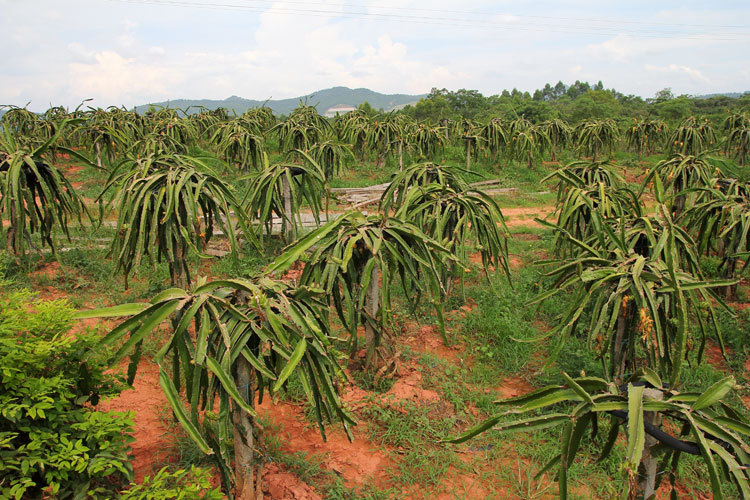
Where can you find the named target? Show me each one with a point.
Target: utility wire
(484, 13)
(441, 21)
(327, 12)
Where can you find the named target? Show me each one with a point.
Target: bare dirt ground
(524, 216)
(148, 404)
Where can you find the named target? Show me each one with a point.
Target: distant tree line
(574, 103)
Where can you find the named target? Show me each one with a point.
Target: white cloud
(505, 18)
(79, 53)
(683, 71)
(123, 53)
(293, 56)
(624, 48)
(388, 63)
(112, 78)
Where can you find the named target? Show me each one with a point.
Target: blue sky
(128, 52)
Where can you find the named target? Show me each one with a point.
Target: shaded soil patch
(47, 270)
(712, 355)
(526, 236)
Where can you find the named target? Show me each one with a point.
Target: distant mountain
(731, 95)
(323, 100)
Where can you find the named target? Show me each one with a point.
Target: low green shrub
(53, 443)
(181, 484)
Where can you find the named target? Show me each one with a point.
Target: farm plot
(442, 335)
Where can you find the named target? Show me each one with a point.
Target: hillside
(731, 95)
(322, 100)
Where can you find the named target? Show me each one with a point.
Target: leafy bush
(52, 442)
(179, 485)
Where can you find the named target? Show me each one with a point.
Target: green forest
(576, 102)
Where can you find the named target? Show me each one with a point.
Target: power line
(397, 17)
(483, 13)
(440, 21)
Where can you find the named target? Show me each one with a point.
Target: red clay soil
(526, 237)
(427, 338)
(355, 462)
(456, 484)
(665, 490)
(739, 306)
(512, 387)
(146, 400)
(408, 387)
(102, 326)
(462, 485)
(514, 262)
(524, 216)
(72, 170)
(712, 355)
(279, 484)
(457, 314)
(294, 272)
(48, 270)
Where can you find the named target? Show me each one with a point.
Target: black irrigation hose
(624, 387)
(661, 436)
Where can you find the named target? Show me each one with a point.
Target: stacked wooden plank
(363, 196)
